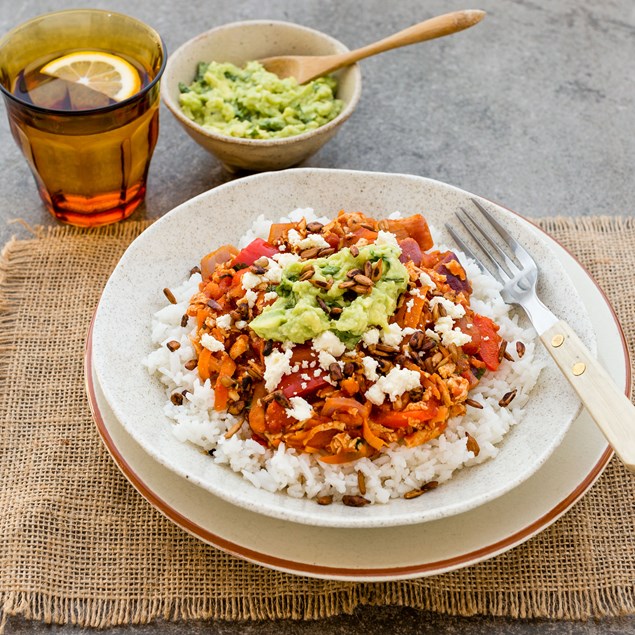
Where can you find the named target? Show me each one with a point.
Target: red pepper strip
(254, 250)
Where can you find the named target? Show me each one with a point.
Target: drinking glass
(91, 165)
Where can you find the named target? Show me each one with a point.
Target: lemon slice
(105, 73)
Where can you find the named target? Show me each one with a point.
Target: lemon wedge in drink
(105, 73)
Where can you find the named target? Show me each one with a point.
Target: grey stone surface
(533, 108)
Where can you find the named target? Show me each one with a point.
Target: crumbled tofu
(300, 410)
(211, 343)
(394, 384)
(284, 260)
(276, 366)
(329, 342)
(271, 295)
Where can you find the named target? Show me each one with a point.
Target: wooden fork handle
(611, 410)
(428, 30)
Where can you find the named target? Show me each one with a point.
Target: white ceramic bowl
(241, 42)
(164, 253)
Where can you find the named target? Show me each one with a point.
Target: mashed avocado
(298, 315)
(252, 103)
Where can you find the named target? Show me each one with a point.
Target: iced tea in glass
(89, 147)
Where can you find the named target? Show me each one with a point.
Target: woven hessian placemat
(79, 545)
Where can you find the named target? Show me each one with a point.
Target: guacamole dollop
(252, 103)
(298, 314)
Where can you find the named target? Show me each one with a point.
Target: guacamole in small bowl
(252, 103)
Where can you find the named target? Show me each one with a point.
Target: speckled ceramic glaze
(241, 42)
(164, 253)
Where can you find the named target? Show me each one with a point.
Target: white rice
(398, 469)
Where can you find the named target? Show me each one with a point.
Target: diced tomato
(276, 418)
(490, 341)
(415, 227)
(254, 250)
(332, 239)
(468, 326)
(403, 419)
(295, 385)
(410, 250)
(367, 234)
(216, 257)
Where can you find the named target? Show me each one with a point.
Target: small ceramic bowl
(238, 43)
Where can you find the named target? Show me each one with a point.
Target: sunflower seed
(324, 500)
(314, 227)
(335, 372)
(353, 272)
(176, 398)
(354, 251)
(361, 289)
(508, 397)
(194, 270)
(169, 295)
(347, 284)
(267, 348)
(355, 501)
(325, 252)
(363, 280)
(322, 305)
(191, 364)
(282, 399)
(520, 349)
(184, 320)
(474, 404)
(173, 345)
(378, 269)
(310, 253)
(472, 445)
(361, 483)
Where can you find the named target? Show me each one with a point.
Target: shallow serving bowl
(165, 252)
(241, 42)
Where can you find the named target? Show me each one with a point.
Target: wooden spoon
(307, 67)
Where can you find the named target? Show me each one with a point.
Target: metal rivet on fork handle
(557, 340)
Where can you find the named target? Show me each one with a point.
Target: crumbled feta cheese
(370, 368)
(271, 295)
(426, 280)
(241, 324)
(325, 360)
(387, 238)
(410, 304)
(251, 297)
(443, 326)
(371, 337)
(394, 384)
(224, 321)
(312, 240)
(329, 342)
(276, 366)
(392, 335)
(300, 410)
(415, 291)
(273, 272)
(284, 260)
(452, 310)
(395, 215)
(211, 343)
(250, 280)
(432, 335)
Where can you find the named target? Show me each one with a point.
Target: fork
(611, 410)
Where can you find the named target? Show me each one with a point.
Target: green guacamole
(252, 103)
(297, 316)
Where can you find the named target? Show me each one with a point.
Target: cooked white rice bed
(398, 469)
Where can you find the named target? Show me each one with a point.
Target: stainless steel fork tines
(517, 271)
(519, 276)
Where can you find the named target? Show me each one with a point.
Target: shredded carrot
(221, 392)
(413, 315)
(370, 437)
(203, 363)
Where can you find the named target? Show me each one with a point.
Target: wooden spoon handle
(427, 30)
(611, 410)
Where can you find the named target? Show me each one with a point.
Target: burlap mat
(80, 545)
